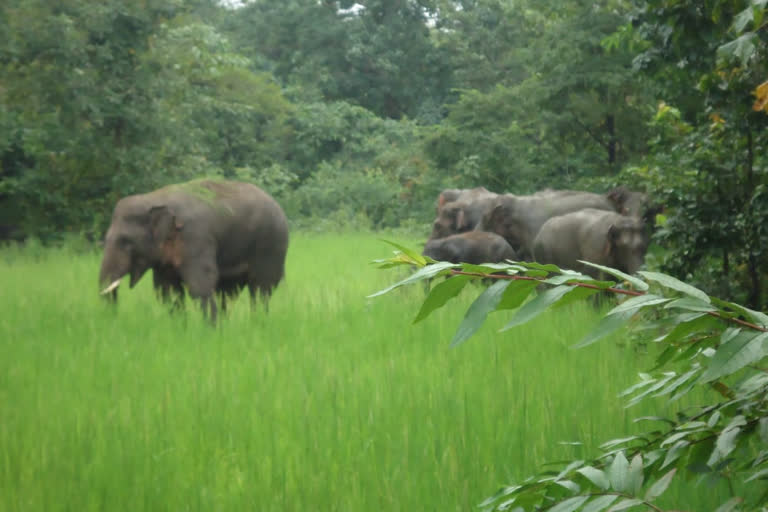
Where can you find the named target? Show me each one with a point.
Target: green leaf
(756, 317)
(727, 440)
(645, 381)
(516, 293)
(607, 325)
(625, 504)
(568, 484)
(595, 476)
(616, 442)
(744, 18)
(570, 504)
(676, 284)
(730, 505)
(537, 306)
(578, 293)
(423, 273)
(638, 302)
(600, 503)
(441, 294)
(743, 48)
(679, 382)
(635, 474)
(674, 453)
(618, 473)
(746, 348)
(478, 311)
(414, 255)
(658, 488)
(698, 323)
(638, 284)
(691, 304)
(658, 385)
(760, 474)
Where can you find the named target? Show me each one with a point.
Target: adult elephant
(463, 195)
(471, 247)
(519, 218)
(598, 236)
(460, 216)
(204, 235)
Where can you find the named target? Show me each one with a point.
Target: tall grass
(330, 402)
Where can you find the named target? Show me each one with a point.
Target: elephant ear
(611, 237)
(166, 234)
(161, 223)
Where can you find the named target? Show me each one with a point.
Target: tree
(709, 142)
(575, 111)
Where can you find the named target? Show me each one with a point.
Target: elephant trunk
(114, 266)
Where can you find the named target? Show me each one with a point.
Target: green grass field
(330, 402)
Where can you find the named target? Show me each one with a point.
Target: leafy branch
(705, 343)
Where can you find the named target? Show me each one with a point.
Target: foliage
(567, 108)
(703, 342)
(707, 162)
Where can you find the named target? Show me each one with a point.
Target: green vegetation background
(330, 402)
(357, 117)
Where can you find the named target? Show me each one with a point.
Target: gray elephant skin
(519, 218)
(207, 236)
(471, 247)
(460, 210)
(466, 195)
(598, 236)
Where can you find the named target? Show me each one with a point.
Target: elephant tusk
(111, 287)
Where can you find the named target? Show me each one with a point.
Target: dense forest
(356, 114)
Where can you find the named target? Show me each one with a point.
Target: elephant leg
(201, 276)
(167, 283)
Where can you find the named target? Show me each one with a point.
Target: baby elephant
(598, 236)
(471, 247)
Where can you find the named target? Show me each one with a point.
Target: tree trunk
(610, 126)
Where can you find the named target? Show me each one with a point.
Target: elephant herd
(214, 238)
(551, 226)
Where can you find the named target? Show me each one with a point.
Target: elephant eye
(124, 242)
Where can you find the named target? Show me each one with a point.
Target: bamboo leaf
(478, 311)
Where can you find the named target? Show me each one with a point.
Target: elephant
(471, 247)
(598, 236)
(459, 217)
(519, 218)
(465, 195)
(208, 236)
